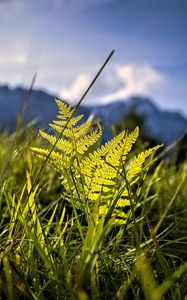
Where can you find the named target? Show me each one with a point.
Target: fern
(94, 177)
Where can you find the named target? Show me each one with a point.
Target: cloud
(119, 83)
(17, 6)
(78, 87)
(137, 79)
(17, 59)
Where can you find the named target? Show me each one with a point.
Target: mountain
(40, 106)
(163, 126)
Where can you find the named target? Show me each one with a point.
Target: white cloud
(10, 7)
(78, 87)
(18, 59)
(137, 79)
(117, 83)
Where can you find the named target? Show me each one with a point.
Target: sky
(66, 41)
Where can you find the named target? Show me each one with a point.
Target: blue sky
(66, 41)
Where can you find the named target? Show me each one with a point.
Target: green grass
(49, 248)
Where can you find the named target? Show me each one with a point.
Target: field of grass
(57, 243)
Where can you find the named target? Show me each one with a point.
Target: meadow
(81, 220)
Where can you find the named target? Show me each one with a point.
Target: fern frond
(63, 122)
(96, 158)
(73, 132)
(119, 218)
(83, 129)
(103, 165)
(63, 108)
(95, 177)
(121, 150)
(88, 140)
(136, 165)
(50, 138)
(62, 144)
(123, 203)
(110, 145)
(55, 158)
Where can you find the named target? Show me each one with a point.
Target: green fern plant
(102, 178)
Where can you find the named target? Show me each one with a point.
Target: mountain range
(160, 125)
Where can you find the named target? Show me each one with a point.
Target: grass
(49, 250)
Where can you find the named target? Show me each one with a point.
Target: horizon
(65, 43)
(93, 105)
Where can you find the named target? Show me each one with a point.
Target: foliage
(103, 178)
(112, 227)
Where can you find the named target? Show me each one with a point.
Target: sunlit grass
(49, 250)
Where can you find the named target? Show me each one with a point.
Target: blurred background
(66, 41)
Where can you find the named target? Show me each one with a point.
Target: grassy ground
(49, 250)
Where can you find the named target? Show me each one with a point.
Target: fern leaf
(123, 203)
(95, 177)
(121, 150)
(55, 158)
(62, 144)
(88, 140)
(63, 122)
(136, 165)
(63, 108)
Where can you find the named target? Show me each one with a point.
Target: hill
(163, 126)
